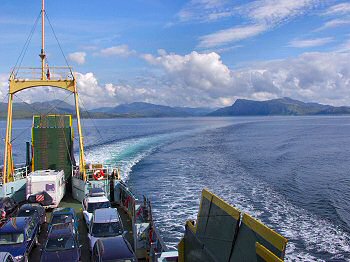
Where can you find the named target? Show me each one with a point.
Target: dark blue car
(18, 236)
(113, 249)
(62, 244)
(64, 215)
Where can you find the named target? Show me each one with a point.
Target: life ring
(98, 174)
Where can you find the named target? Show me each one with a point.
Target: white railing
(52, 73)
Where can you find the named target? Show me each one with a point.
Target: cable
(26, 45)
(59, 45)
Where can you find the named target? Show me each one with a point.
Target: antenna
(42, 54)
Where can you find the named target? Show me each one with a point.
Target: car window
(61, 219)
(30, 229)
(60, 243)
(93, 206)
(11, 238)
(106, 229)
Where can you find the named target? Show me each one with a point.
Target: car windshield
(61, 219)
(25, 212)
(11, 238)
(106, 229)
(60, 243)
(93, 206)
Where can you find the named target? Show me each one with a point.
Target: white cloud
(260, 16)
(203, 80)
(78, 57)
(230, 35)
(204, 10)
(3, 86)
(338, 9)
(335, 23)
(310, 42)
(120, 50)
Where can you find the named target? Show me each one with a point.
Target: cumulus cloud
(203, 79)
(310, 42)
(120, 50)
(78, 57)
(321, 77)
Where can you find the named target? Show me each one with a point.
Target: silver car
(105, 223)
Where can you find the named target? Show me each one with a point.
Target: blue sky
(189, 53)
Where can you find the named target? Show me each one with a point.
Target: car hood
(57, 256)
(14, 250)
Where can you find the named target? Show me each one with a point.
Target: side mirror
(125, 232)
(80, 246)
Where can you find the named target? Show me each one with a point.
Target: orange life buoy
(99, 174)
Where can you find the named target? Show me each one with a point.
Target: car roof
(28, 206)
(63, 210)
(115, 248)
(97, 199)
(15, 224)
(105, 215)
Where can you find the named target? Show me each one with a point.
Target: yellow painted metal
(192, 226)
(42, 55)
(268, 234)
(266, 254)
(181, 248)
(7, 153)
(81, 138)
(231, 210)
(17, 85)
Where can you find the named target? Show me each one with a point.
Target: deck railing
(51, 73)
(19, 172)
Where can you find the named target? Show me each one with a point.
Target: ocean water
(292, 173)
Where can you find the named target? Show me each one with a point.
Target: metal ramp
(219, 234)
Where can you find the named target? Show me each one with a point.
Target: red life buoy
(98, 174)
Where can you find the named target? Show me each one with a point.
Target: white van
(46, 187)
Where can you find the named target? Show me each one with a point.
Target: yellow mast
(16, 84)
(42, 54)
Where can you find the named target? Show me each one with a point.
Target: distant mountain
(281, 106)
(141, 109)
(137, 109)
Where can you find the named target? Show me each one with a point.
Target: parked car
(113, 249)
(105, 222)
(8, 207)
(62, 244)
(91, 203)
(6, 257)
(64, 215)
(18, 237)
(35, 210)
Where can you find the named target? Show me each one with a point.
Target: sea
(292, 173)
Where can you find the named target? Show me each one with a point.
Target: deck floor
(68, 201)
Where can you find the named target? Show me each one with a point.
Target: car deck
(68, 201)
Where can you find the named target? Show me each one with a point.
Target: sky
(197, 53)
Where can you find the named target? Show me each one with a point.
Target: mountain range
(241, 107)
